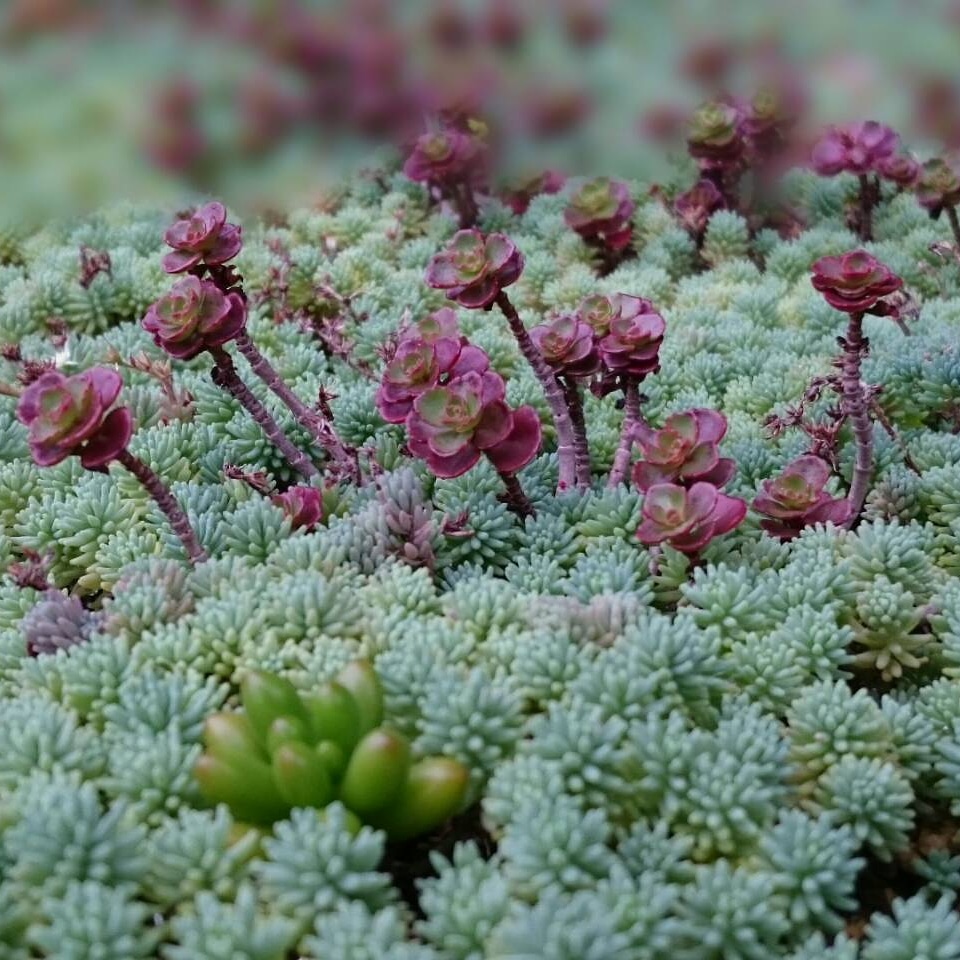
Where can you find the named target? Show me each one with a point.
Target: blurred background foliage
(266, 103)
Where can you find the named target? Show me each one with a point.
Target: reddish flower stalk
(562, 421)
(856, 283)
(514, 497)
(581, 448)
(164, 499)
(322, 429)
(856, 407)
(631, 417)
(225, 376)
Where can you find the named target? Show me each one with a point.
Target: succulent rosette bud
(194, 316)
(900, 169)
(715, 136)
(429, 353)
(452, 425)
(72, 415)
(598, 310)
(854, 282)
(797, 499)
(602, 209)
(632, 345)
(938, 184)
(474, 268)
(856, 148)
(205, 237)
(567, 345)
(687, 519)
(697, 205)
(446, 156)
(518, 196)
(684, 451)
(303, 505)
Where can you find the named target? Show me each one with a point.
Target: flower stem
(954, 223)
(514, 497)
(855, 406)
(166, 502)
(225, 376)
(319, 427)
(551, 389)
(581, 448)
(465, 204)
(631, 416)
(868, 196)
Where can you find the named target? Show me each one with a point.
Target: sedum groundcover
(730, 738)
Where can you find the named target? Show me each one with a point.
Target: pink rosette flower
(475, 268)
(602, 209)
(518, 196)
(451, 426)
(303, 505)
(853, 282)
(687, 519)
(72, 415)
(194, 316)
(715, 137)
(567, 345)
(446, 157)
(598, 310)
(632, 345)
(855, 148)
(206, 237)
(900, 169)
(695, 207)
(797, 499)
(938, 185)
(684, 451)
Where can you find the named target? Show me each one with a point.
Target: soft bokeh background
(265, 103)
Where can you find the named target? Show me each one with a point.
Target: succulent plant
(567, 345)
(474, 268)
(632, 345)
(285, 749)
(683, 451)
(796, 499)
(601, 210)
(205, 237)
(452, 425)
(938, 184)
(715, 137)
(72, 415)
(695, 206)
(687, 519)
(447, 156)
(303, 505)
(856, 148)
(194, 316)
(432, 353)
(854, 282)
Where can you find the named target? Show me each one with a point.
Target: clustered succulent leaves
(555, 651)
(283, 749)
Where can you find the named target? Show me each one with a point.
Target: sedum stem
(319, 427)
(868, 192)
(631, 416)
(954, 223)
(166, 502)
(226, 377)
(581, 448)
(566, 454)
(855, 405)
(514, 497)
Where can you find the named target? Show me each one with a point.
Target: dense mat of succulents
(745, 747)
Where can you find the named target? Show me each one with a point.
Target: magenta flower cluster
(864, 148)
(601, 211)
(197, 314)
(75, 415)
(475, 268)
(441, 386)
